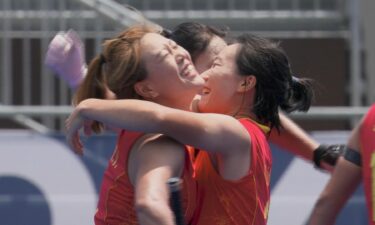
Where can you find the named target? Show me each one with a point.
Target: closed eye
(179, 59)
(173, 44)
(216, 62)
(163, 54)
(214, 65)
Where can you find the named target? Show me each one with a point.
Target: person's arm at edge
(343, 182)
(293, 139)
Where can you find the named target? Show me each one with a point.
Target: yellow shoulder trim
(266, 129)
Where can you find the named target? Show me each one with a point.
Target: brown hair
(117, 68)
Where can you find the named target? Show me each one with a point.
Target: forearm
(126, 114)
(212, 132)
(343, 182)
(138, 115)
(324, 212)
(292, 138)
(330, 203)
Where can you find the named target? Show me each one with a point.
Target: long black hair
(275, 86)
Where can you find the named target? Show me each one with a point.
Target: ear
(145, 90)
(247, 83)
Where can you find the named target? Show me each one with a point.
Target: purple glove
(66, 57)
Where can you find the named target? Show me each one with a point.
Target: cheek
(163, 72)
(224, 88)
(167, 64)
(220, 79)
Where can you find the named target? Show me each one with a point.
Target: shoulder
(157, 145)
(155, 151)
(253, 126)
(159, 140)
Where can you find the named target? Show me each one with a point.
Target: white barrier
(50, 166)
(316, 112)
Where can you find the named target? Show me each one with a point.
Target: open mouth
(188, 70)
(205, 91)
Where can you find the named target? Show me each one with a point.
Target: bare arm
(152, 165)
(344, 180)
(212, 132)
(340, 187)
(293, 139)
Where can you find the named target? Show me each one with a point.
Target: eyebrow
(160, 56)
(172, 43)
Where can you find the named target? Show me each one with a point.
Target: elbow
(148, 207)
(152, 212)
(85, 107)
(322, 202)
(143, 208)
(327, 202)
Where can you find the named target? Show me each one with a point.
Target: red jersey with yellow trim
(242, 202)
(367, 142)
(116, 198)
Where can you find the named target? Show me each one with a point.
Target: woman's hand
(73, 125)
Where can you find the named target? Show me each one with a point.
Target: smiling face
(221, 91)
(171, 75)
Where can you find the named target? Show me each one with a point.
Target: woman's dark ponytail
(300, 97)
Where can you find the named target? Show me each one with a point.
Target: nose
(183, 53)
(182, 57)
(204, 75)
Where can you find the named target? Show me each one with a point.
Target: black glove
(328, 154)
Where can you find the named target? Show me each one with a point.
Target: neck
(245, 114)
(244, 108)
(176, 104)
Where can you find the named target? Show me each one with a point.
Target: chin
(201, 107)
(194, 105)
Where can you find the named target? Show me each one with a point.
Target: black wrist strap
(353, 156)
(317, 155)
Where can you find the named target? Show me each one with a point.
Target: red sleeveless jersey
(242, 202)
(367, 142)
(116, 198)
